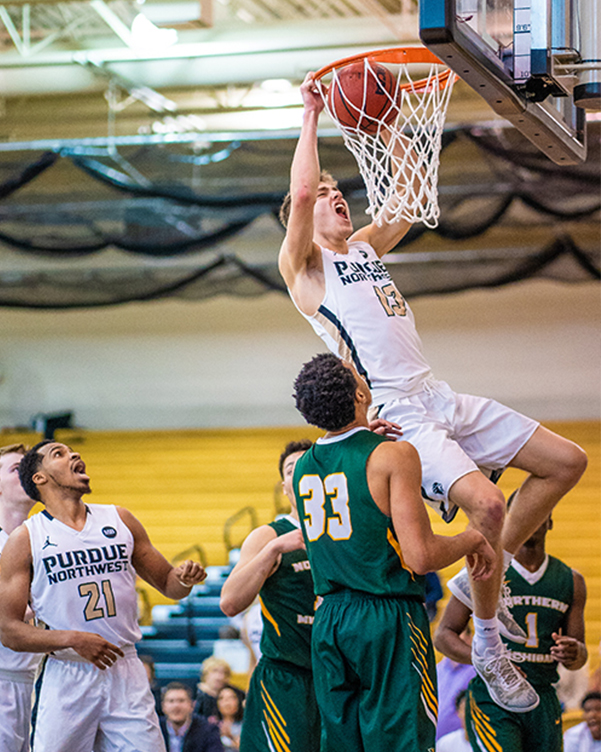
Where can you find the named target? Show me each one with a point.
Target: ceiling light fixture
(276, 85)
(146, 36)
(142, 36)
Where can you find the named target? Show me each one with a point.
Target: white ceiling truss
(203, 59)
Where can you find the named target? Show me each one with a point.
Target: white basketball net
(399, 162)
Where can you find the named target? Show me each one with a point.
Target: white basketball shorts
(15, 711)
(456, 434)
(81, 708)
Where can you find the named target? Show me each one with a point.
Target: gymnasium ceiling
(218, 80)
(76, 69)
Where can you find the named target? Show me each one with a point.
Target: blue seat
(175, 651)
(183, 628)
(187, 673)
(192, 606)
(202, 605)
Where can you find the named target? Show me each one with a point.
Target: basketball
(362, 98)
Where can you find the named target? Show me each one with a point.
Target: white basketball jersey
(365, 320)
(9, 659)
(84, 580)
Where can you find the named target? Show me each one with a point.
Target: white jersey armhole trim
(290, 519)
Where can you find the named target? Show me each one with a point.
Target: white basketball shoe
(459, 585)
(506, 685)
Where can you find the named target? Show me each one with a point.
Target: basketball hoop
(390, 106)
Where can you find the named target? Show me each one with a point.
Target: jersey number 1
(92, 592)
(314, 491)
(531, 623)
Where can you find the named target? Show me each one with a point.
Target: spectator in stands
(457, 740)
(571, 687)
(17, 670)
(148, 662)
(231, 648)
(586, 736)
(76, 563)
(214, 674)
(183, 730)
(452, 677)
(230, 711)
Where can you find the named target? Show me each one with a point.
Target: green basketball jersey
(540, 606)
(288, 605)
(350, 542)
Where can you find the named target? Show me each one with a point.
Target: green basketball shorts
(374, 673)
(492, 729)
(281, 713)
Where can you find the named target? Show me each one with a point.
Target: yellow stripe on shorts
(420, 663)
(487, 736)
(275, 721)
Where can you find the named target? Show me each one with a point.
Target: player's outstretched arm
(17, 634)
(570, 648)
(260, 557)
(447, 638)
(298, 251)
(394, 477)
(153, 567)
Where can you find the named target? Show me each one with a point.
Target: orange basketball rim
(396, 56)
(398, 152)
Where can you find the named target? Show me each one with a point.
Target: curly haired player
(369, 541)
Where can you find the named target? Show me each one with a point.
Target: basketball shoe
(506, 685)
(459, 585)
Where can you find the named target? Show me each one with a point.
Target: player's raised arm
(298, 250)
(153, 567)
(260, 556)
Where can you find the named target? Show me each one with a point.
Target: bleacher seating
(184, 485)
(183, 634)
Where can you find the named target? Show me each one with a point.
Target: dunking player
(369, 539)
(547, 597)
(281, 711)
(338, 282)
(17, 670)
(78, 563)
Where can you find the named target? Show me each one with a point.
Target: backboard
(521, 56)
